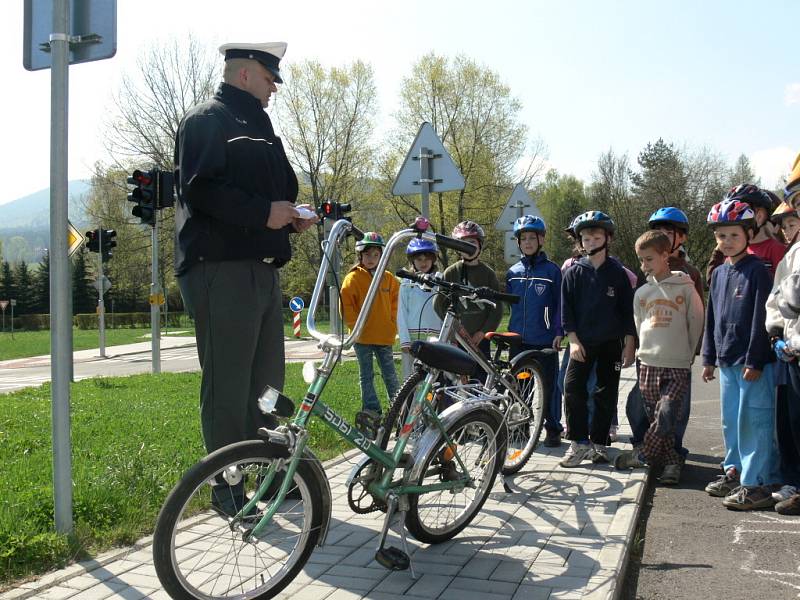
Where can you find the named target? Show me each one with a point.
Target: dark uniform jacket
(229, 167)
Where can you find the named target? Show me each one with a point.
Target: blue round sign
(296, 304)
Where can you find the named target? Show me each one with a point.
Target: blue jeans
(748, 425)
(364, 352)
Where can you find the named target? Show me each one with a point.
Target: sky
(591, 75)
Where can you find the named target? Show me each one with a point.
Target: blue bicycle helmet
(592, 218)
(529, 223)
(669, 215)
(420, 246)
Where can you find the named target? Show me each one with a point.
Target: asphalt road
(689, 546)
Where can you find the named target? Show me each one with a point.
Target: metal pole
(425, 156)
(12, 320)
(61, 325)
(155, 293)
(101, 305)
(333, 291)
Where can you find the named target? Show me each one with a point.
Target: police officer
(235, 212)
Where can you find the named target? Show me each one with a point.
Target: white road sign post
(427, 168)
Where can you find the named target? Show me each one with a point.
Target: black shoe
(552, 439)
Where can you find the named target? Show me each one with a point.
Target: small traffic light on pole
(107, 242)
(93, 240)
(144, 194)
(333, 210)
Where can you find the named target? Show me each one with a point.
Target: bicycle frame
(312, 405)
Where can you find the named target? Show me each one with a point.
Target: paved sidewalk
(558, 534)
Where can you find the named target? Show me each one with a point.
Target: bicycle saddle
(443, 357)
(500, 337)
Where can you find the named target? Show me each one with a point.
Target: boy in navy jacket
(537, 316)
(736, 340)
(597, 316)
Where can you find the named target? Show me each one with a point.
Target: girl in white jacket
(416, 318)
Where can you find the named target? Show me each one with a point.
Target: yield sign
(520, 203)
(3, 304)
(443, 174)
(74, 239)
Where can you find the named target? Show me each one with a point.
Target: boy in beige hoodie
(669, 319)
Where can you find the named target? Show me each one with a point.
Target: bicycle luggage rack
(470, 392)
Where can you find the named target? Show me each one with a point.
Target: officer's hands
(708, 373)
(301, 225)
(281, 214)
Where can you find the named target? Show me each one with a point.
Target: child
(537, 281)
(597, 316)
(783, 326)
(415, 314)
(669, 320)
(736, 340)
(673, 223)
(476, 319)
(380, 329)
(786, 220)
(763, 245)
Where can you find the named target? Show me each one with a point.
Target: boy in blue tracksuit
(537, 316)
(736, 340)
(597, 316)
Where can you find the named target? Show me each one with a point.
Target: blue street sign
(296, 304)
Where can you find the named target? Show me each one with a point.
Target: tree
(478, 119)
(742, 172)
(8, 288)
(24, 288)
(560, 198)
(42, 285)
(83, 294)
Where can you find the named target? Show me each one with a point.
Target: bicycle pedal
(368, 422)
(393, 559)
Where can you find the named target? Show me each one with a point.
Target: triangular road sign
(519, 198)
(444, 176)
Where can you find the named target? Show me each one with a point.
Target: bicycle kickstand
(390, 557)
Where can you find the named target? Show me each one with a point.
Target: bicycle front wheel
(198, 550)
(437, 516)
(524, 419)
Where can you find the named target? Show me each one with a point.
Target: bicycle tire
(478, 434)
(524, 422)
(402, 401)
(197, 548)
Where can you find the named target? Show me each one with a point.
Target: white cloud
(791, 94)
(773, 164)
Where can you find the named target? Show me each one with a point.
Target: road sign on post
(92, 33)
(427, 168)
(74, 239)
(519, 203)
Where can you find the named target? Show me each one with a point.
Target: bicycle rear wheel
(398, 411)
(437, 516)
(200, 553)
(524, 419)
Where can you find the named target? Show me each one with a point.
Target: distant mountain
(33, 211)
(25, 222)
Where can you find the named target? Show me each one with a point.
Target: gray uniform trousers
(236, 306)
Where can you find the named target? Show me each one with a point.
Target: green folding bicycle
(243, 521)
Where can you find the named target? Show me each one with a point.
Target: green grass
(132, 438)
(36, 343)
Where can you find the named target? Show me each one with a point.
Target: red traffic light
(140, 178)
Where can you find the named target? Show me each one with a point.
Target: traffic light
(166, 189)
(107, 242)
(144, 194)
(333, 210)
(93, 240)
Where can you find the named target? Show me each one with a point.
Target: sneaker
(628, 459)
(599, 454)
(576, 453)
(749, 498)
(786, 492)
(790, 506)
(552, 439)
(671, 474)
(722, 485)
(612, 433)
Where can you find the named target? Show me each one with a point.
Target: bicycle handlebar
(454, 244)
(484, 293)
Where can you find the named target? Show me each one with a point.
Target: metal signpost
(513, 210)
(53, 39)
(13, 303)
(156, 300)
(428, 168)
